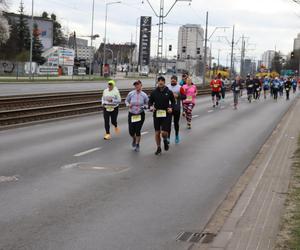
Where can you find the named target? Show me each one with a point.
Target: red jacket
(216, 85)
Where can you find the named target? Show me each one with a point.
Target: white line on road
(87, 152)
(144, 133)
(210, 111)
(195, 116)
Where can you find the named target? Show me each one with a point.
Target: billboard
(145, 40)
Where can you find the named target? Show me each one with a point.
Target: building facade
(297, 43)
(267, 58)
(45, 27)
(190, 42)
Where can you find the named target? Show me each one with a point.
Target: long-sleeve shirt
(191, 93)
(177, 89)
(111, 98)
(137, 101)
(162, 99)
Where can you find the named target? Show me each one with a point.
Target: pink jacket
(190, 92)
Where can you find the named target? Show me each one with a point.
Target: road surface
(64, 187)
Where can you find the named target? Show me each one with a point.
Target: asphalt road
(71, 190)
(8, 89)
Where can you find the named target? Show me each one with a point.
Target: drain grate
(208, 238)
(189, 237)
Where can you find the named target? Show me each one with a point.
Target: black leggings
(110, 115)
(135, 127)
(176, 118)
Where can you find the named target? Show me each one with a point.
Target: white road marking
(144, 133)
(87, 152)
(195, 116)
(210, 111)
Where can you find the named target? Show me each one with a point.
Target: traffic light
(200, 57)
(170, 47)
(293, 55)
(198, 51)
(183, 49)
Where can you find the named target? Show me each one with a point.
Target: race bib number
(216, 86)
(237, 88)
(110, 108)
(287, 89)
(250, 86)
(189, 98)
(258, 89)
(136, 118)
(161, 113)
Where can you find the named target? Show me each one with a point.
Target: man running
(216, 85)
(250, 87)
(266, 86)
(162, 103)
(236, 87)
(257, 88)
(136, 100)
(287, 87)
(179, 95)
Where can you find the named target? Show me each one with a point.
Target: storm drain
(192, 237)
(8, 179)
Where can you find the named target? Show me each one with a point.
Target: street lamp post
(31, 40)
(92, 37)
(105, 29)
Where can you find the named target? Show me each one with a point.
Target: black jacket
(236, 86)
(288, 85)
(162, 99)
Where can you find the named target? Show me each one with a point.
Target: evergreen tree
(58, 36)
(277, 63)
(37, 48)
(23, 31)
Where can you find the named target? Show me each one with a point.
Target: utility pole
(31, 40)
(92, 37)
(205, 49)
(232, 49)
(243, 56)
(161, 16)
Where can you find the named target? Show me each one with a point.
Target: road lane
(133, 201)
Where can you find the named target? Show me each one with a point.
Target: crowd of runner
(168, 101)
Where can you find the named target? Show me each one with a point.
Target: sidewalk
(255, 219)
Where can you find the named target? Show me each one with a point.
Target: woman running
(110, 100)
(191, 92)
(136, 100)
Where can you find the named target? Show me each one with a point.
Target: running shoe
(177, 139)
(158, 151)
(137, 148)
(107, 137)
(166, 144)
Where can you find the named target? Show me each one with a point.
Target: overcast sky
(267, 23)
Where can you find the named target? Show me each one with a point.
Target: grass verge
(289, 236)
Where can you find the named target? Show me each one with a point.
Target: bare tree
(4, 27)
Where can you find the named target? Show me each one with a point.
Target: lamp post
(105, 29)
(31, 40)
(92, 35)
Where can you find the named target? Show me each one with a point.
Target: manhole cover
(96, 167)
(8, 179)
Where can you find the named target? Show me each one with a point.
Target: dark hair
(137, 82)
(161, 78)
(174, 78)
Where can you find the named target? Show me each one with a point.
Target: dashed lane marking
(195, 116)
(87, 152)
(145, 133)
(210, 111)
(8, 179)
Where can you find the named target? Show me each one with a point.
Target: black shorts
(162, 124)
(217, 94)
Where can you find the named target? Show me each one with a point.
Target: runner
(185, 75)
(250, 88)
(276, 86)
(216, 89)
(266, 86)
(136, 100)
(287, 87)
(162, 102)
(223, 88)
(236, 87)
(191, 92)
(179, 95)
(294, 84)
(110, 100)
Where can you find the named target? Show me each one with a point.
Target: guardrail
(24, 109)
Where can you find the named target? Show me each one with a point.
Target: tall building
(297, 43)
(190, 42)
(267, 58)
(82, 50)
